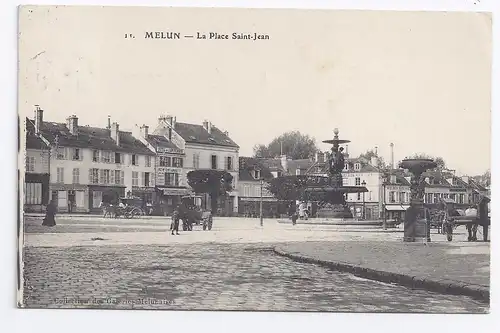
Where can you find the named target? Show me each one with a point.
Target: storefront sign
(170, 150)
(143, 189)
(174, 191)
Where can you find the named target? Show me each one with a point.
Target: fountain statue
(334, 193)
(416, 224)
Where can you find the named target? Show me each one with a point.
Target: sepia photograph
(232, 159)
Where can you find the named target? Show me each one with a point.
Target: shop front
(396, 212)
(146, 194)
(36, 192)
(104, 194)
(70, 198)
(250, 207)
(167, 198)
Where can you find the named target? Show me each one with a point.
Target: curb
(443, 287)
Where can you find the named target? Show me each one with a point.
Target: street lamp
(261, 218)
(364, 185)
(384, 183)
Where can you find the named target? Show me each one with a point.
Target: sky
(420, 80)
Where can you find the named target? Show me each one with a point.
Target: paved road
(211, 276)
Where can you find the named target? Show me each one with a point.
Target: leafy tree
(484, 179)
(291, 188)
(441, 164)
(380, 160)
(214, 182)
(293, 144)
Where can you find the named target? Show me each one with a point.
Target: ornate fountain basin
(417, 165)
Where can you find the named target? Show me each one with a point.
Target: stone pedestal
(334, 211)
(416, 226)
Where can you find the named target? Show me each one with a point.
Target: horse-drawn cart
(128, 208)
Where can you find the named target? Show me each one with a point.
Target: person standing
(175, 222)
(70, 206)
(50, 213)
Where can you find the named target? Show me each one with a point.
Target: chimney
(392, 155)
(376, 150)
(284, 162)
(374, 161)
(169, 119)
(174, 122)
(226, 133)
(145, 131)
(109, 123)
(207, 125)
(38, 118)
(115, 133)
(161, 119)
(72, 124)
(346, 153)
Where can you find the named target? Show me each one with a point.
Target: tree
(293, 144)
(441, 164)
(380, 160)
(214, 182)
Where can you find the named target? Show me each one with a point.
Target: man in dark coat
(50, 214)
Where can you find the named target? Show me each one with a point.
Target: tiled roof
(93, 138)
(273, 164)
(198, 134)
(294, 165)
(32, 140)
(160, 141)
(248, 164)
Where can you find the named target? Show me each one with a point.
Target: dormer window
(357, 166)
(346, 167)
(256, 174)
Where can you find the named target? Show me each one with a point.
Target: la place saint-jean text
(203, 35)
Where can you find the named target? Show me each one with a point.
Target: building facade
(90, 165)
(171, 179)
(254, 173)
(205, 147)
(36, 176)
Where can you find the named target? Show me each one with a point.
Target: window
(76, 154)
(461, 198)
(30, 164)
(118, 177)
(453, 196)
(229, 163)
(76, 176)
(246, 191)
(106, 157)
(196, 161)
(436, 197)
(94, 176)
(96, 199)
(146, 179)
(171, 179)
(392, 198)
(358, 181)
(345, 181)
(177, 162)
(359, 196)
(135, 160)
(33, 193)
(214, 161)
(118, 158)
(164, 161)
(135, 178)
(148, 161)
(61, 153)
(402, 196)
(104, 176)
(60, 175)
(357, 166)
(429, 197)
(346, 166)
(95, 156)
(256, 174)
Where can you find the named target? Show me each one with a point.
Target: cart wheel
(204, 226)
(449, 237)
(210, 226)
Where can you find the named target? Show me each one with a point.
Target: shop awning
(397, 208)
(258, 199)
(174, 191)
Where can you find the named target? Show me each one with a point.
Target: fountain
(335, 206)
(416, 223)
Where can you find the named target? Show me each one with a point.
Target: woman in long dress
(50, 214)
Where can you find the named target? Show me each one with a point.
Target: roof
(302, 164)
(273, 164)
(160, 141)
(249, 164)
(192, 133)
(33, 141)
(93, 138)
(320, 167)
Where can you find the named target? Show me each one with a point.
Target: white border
(111, 321)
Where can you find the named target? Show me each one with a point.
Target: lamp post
(364, 185)
(261, 218)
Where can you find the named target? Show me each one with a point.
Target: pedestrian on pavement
(70, 206)
(50, 213)
(175, 222)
